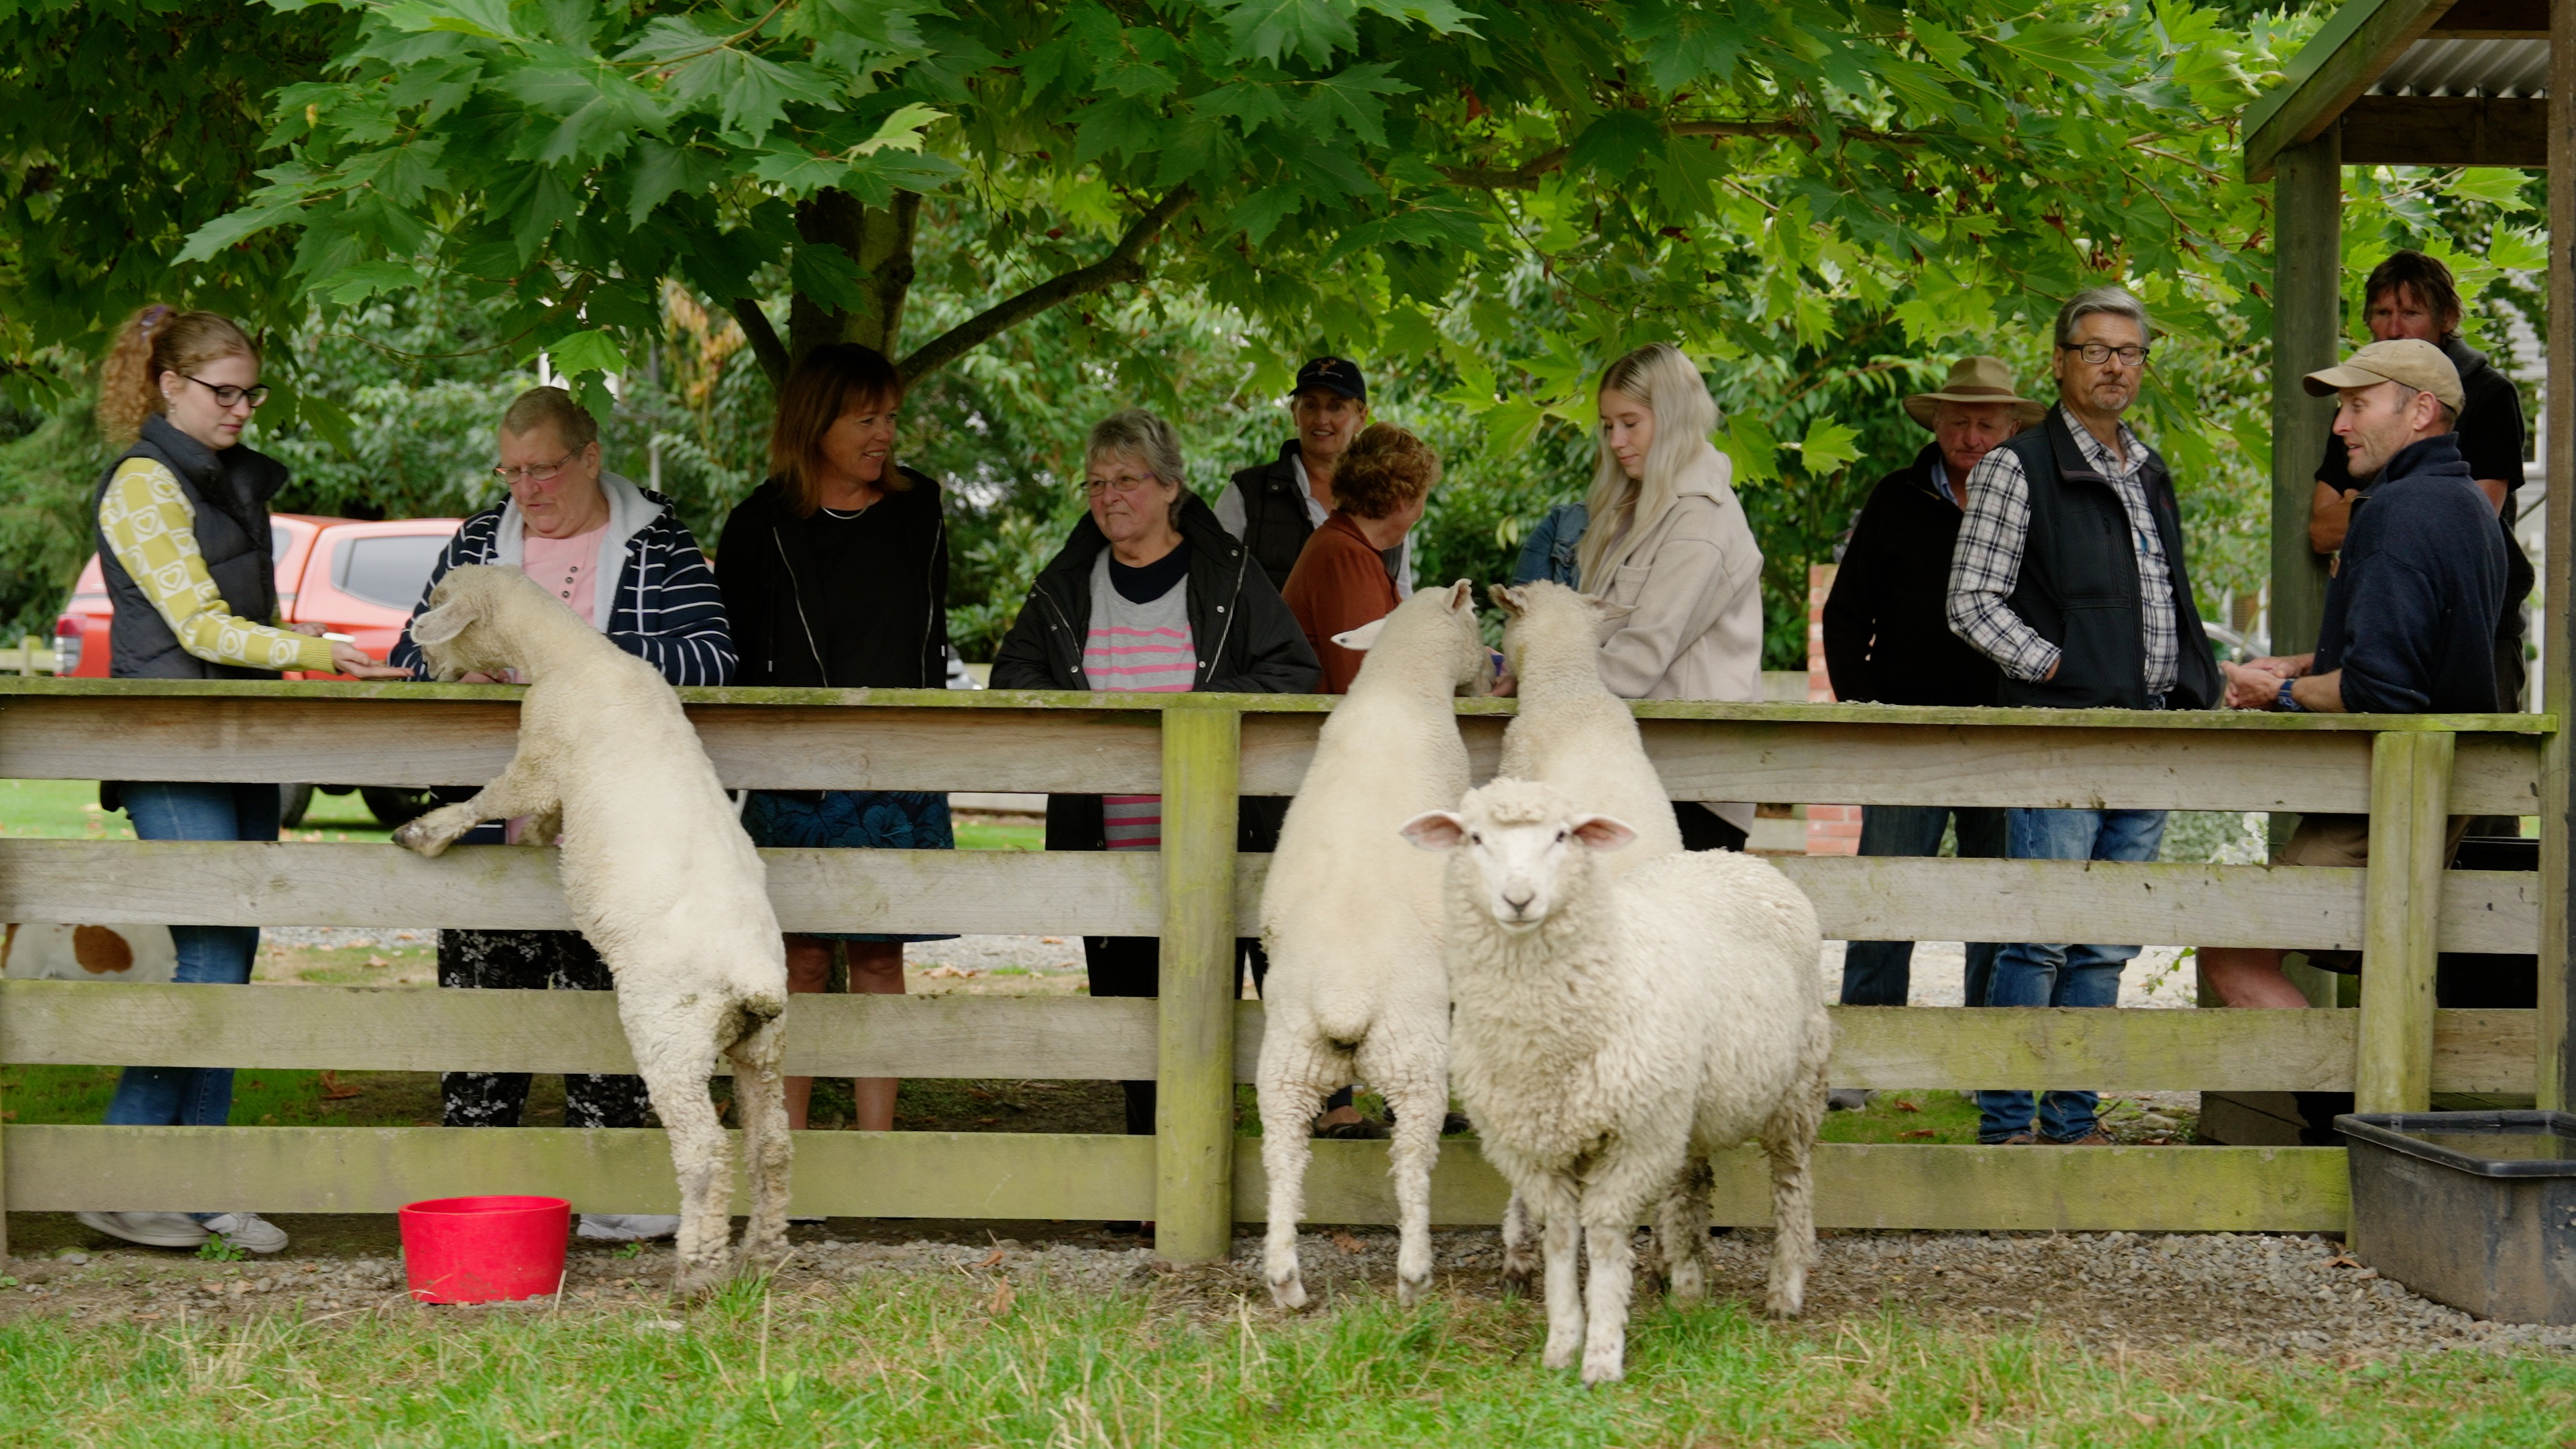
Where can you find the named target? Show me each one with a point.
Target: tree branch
(763, 337)
(1526, 175)
(1123, 264)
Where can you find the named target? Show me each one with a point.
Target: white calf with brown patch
(1613, 1034)
(660, 878)
(1352, 919)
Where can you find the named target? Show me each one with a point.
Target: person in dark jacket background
(2409, 616)
(835, 574)
(1275, 507)
(1149, 593)
(1888, 641)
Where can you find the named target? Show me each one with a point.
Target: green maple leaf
(1351, 98)
(591, 351)
(1270, 29)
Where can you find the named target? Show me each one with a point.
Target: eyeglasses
(535, 472)
(1123, 483)
(229, 396)
(2097, 353)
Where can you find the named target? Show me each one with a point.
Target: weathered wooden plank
(2139, 1189)
(378, 1169)
(2446, 131)
(1118, 893)
(2410, 775)
(515, 888)
(924, 740)
(1048, 1038)
(2359, 41)
(1194, 1022)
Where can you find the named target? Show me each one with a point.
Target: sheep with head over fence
(1612, 1034)
(1351, 918)
(660, 878)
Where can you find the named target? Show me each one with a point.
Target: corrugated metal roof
(2468, 68)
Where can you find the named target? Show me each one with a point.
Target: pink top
(567, 567)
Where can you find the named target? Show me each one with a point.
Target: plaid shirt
(1987, 564)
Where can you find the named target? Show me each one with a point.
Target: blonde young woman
(1668, 539)
(183, 540)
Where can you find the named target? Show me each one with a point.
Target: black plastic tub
(2474, 1209)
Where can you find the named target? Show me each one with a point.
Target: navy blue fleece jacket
(2413, 602)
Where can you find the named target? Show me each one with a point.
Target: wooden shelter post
(2307, 327)
(2558, 459)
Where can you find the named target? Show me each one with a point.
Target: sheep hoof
(1516, 1278)
(1409, 1292)
(697, 1282)
(1783, 1305)
(1288, 1293)
(1556, 1355)
(1599, 1369)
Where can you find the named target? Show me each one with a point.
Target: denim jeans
(2031, 974)
(1881, 973)
(194, 1096)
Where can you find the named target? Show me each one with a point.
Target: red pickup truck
(352, 576)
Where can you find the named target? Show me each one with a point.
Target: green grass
(922, 1361)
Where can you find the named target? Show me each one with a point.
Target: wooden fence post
(1194, 1111)
(2410, 798)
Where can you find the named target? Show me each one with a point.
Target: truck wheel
(292, 802)
(395, 806)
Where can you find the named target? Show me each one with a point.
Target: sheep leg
(1415, 1083)
(1555, 1206)
(760, 1097)
(1681, 1231)
(521, 789)
(1789, 1140)
(675, 1050)
(1289, 1100)
(1518, 1261)
(1621, 1188)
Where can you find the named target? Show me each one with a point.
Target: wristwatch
(2286, 701)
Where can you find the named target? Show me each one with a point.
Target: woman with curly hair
(1341, 580)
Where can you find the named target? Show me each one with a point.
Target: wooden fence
(1195, 1178)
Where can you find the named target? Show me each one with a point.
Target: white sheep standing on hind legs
(1613, 1034)
(660, 878)
(1352, 920)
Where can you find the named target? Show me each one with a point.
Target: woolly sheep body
(1646, 1024)
(1351, 917)
(659, 876)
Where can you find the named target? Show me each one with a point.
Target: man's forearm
(2319, 693)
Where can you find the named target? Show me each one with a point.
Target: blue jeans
(194, 1096)
(2029, 974)
(1880, 973)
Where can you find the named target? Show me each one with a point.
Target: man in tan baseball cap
(2395, 394)
(2409, 614)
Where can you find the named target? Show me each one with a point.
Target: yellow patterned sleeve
(152, 530)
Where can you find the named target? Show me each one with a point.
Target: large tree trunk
(879, 239)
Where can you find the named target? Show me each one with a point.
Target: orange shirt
(1340, 583)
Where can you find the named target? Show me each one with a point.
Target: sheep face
(456, 633)
(1521, 841)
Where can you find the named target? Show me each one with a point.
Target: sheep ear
(1462, 595)
(1507, 599)
(1435, 830)
(440, 625)
(1358, 640)
(1603, 832)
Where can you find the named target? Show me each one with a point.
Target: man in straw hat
(1887, 638)
(2409, 613)
(2069, 575)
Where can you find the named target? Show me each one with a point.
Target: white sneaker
(628, 1227)
(152, 1230)
(247, 1231)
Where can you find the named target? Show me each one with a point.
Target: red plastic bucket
(485, 1249)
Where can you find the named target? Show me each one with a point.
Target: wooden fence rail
(1194, 1178)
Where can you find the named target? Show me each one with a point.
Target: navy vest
(229, 492)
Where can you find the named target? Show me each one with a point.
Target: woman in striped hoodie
(1150, 593)
(617, 556)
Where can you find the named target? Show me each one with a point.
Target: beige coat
(1695, 584)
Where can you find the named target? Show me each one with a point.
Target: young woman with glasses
(183, 540)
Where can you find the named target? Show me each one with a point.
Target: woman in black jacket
(1192, 611)
(835, 575)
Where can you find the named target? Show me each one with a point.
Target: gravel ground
(2254, 1295)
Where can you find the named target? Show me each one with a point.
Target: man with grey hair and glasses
(2069, 575)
